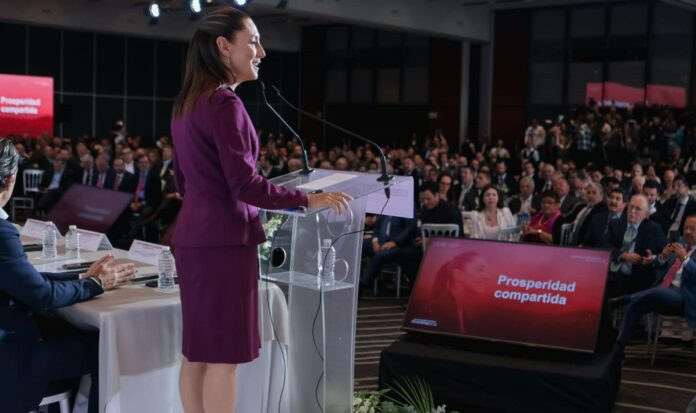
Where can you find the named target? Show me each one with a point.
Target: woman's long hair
(204, 68)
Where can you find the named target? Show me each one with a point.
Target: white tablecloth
(140, 349)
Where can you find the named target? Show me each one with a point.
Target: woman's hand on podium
(337, 201)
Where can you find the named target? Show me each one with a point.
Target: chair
(511, 234)
(31, 179)
(566, 233)
(669, 326)
(466, 221)
(58, 392)
(438, 230)
(397, 275)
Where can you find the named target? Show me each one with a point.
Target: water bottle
(165, 263)
(328, 259)
(49, 241)
(72, 243)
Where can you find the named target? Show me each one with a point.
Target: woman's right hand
(337, 201)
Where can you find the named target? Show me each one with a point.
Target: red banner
(612, 93)
(26, 105)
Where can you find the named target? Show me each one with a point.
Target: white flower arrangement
(269, 228)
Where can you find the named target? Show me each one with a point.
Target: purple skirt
(219, 303)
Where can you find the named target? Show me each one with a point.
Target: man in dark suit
(104, 176)
(568, 200)
(594, 196)
(390, 236)
(505, 182)
(471, 199)
(681, 205)
(674, 294)
(89, 174)
(658, 212)
(124, 181)
(146, 199)
(54, 183)
(598, 230)
(632, 244)
(526, 202)
(32, 355)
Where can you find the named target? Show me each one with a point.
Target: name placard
(146, 252)
(94, 241)
(34, 228)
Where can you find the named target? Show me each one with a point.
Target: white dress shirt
(3, 214)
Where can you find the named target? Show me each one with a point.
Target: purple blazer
(215, 170)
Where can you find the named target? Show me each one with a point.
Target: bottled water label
(165, 281)
(328, 258)
(50, 238)
(72, 243)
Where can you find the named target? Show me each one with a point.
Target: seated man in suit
(104, 176)
(505, 182)
(471, 199)
(390, 236)
(675, 294)
(124, 181)
(433, 211)
(32, 356)
(526, 202)
(681, 205)
(632, 243)
(568, 200)
(597, 232)
(658, 212)
(594, 198)
(147, 198)
(54, 183)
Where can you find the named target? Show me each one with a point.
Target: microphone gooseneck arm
(306, 170)
(385, 177)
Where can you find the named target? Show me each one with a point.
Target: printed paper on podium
(400, 201)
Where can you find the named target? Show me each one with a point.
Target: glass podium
(322, 314)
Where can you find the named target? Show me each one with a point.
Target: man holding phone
(674, 294)
(35, 351)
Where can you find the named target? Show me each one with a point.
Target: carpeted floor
(666, 388)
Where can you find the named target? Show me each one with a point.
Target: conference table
(140, 345)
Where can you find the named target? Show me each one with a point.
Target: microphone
(385, 177)
(306, 170)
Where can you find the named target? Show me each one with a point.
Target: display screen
(522, 293)
(89, 207)
(26, 105)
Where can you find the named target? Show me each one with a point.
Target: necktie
(673, 270)
(625, 246)
(141, 184)
(117, 183)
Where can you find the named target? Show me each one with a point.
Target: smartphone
(673, 236)
(32, 247)
(78, 265)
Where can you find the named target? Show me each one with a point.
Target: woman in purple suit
(219, 227)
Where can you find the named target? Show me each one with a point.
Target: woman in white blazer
(491, 217)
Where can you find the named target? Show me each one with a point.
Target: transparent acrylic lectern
(322, 314)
